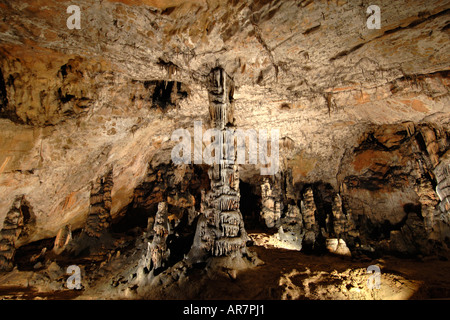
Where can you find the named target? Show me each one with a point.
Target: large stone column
(220, 230)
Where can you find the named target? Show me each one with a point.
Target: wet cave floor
(284, 275)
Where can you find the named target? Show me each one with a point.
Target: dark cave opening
(378, 231)
(28, 256)
(323, 198)
(381, 231)
(413, 208)
(26, 213)
(63, 70)
(3, 94)
(181, 238)
(29, 219)
(166, 93)
(162, 95)
(250, 206)
(179, 241)
(421, 143)
(200, 181)
(64, 98)
(135, 217)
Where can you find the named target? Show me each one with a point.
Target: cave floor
(284, 275)
(292, 275)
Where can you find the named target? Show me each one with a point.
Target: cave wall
(361, 112)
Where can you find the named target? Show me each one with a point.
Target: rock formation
(13, 227)
(62, 239)
(87, 116)
(157, 253)
(309, 212)
(99, 218)
(220, 228)
(337, 246)
(291, 230)
(271, 202)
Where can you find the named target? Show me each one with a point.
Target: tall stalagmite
(13, 227)
(220, 230)
(157, 252)
(99, 218)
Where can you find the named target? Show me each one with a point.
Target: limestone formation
(220, 228)
(99, 218)
(157, 252)
(221, 90)
(310, 225)
(442, 173)
(88, 116)
(271, 202)
(291, 231)
(13, 226)
(433, 181)
(62, 239)
(289, 185)
(343, 225)
(337, 246)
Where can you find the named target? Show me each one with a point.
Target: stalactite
(62, 239)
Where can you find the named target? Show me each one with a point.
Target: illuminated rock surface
(87, 116)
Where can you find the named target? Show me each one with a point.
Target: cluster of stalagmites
(434, 161)
(298, 226)
(432, 170)
(220, 228)
(19, 219)
(343, 224)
